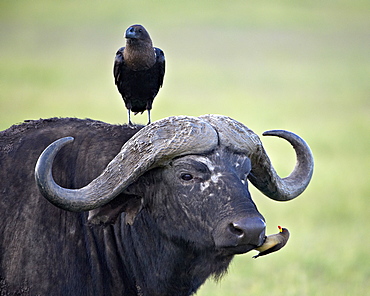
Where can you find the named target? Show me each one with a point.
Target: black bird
(273, 242)
(138, 71)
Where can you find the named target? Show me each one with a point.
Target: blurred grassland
(303, 66)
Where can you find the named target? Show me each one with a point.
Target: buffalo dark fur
(40, 243)
(165, 247)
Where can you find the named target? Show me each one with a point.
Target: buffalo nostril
(249, 230)
(235, 229)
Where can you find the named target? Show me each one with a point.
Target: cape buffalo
(152, 210)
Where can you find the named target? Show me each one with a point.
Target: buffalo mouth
(241, 249)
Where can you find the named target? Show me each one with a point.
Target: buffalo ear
(108, 214)
(131, 208)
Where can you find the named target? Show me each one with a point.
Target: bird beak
(130, 33)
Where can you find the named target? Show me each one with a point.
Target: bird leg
(149, 121)
(129, 118)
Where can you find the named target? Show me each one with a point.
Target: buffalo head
(190, 175)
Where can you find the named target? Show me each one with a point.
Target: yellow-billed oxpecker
(138, 71)
(273, 242)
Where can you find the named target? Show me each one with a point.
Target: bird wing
(119, 62)
(160, 64)
(268, 251)
(271, 241)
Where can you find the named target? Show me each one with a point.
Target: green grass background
(303, 66)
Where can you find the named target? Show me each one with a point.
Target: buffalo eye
(186, 177)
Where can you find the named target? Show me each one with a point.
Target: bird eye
(140, 30)
(186, 177)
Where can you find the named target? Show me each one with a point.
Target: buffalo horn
(152, 146)
(263, 176)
